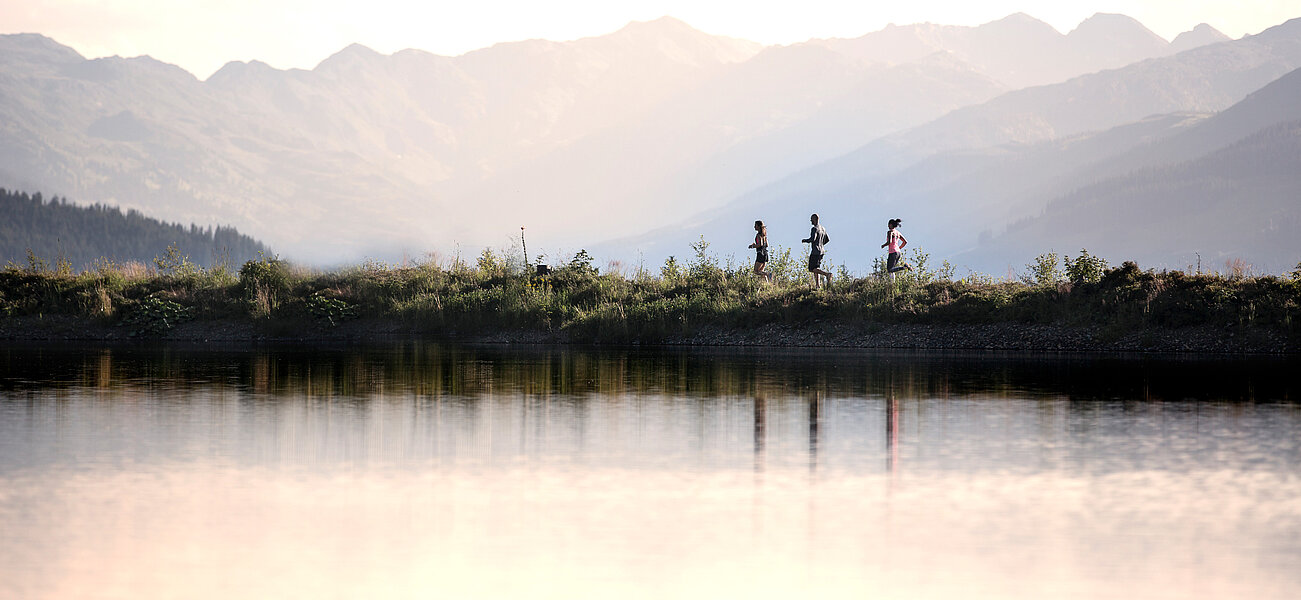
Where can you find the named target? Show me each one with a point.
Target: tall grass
(498, 292)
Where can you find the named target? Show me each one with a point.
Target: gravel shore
(997, 336)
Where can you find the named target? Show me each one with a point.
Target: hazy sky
(202, 35)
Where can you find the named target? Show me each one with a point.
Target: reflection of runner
(894, 243)
(891, 432)
(817, 239)
(815, 417)
(760, 432)
(760, 246)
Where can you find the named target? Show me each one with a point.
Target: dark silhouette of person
(760, 246)
(817, 239)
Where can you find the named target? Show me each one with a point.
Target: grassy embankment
(495, 295)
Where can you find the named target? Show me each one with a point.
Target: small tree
(946, 270)
(671, 271)
(1043, 271)
(782, 266)
(489, 263)
(173, 263)
(35, 264)
(704, 262)
(1085, 268)
(581, 263)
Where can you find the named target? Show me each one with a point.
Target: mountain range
(657, 127)
(960, 181)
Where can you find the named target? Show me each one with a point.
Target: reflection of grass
(589, 305)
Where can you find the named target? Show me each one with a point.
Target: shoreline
(1005, 336)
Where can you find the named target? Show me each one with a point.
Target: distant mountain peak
(1201, 35)
(237, 70)
(1109, 24)
(34, 46)
(355, 49)
(663, 27)
(665, 23)
(669, 27)
(1101, 17)
(690, 41)
(1120, 38)
(354, 53)
(1020, 22)
(1018, 17)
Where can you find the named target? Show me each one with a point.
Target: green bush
(1085, 268)
(171, 263)
(155, 315)
(1044, 270)
(265, 283)
(330, 310)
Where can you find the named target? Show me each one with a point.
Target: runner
(894, 243)
(817, 239)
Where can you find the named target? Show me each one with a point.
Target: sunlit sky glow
(202, 35)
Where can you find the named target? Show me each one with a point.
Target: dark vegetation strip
(587, 306)
(78, 236)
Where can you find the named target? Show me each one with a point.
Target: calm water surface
(417, 470)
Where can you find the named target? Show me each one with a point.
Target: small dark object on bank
(544, 270)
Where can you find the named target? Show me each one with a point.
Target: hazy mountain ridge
(368, 153)
(967, 175)
(998, 48)
(1201, 35)
(362, 133)
(1235, 203)
(1224, 187)
(786, 108)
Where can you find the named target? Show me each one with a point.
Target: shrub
(174, 264)
(265, 282)
(581, 264)
(671, 271)
(1043, 271)
(1085, 268)
(783, 267)
(705, 265)
(331, 310)
(154, 315)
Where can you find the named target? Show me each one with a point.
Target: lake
(423, 470)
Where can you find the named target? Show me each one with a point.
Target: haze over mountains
(644, 129)
(961, 180)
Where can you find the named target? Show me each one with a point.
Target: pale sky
(202, 35)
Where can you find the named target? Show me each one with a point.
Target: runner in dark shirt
(817, 239)
(760, 246)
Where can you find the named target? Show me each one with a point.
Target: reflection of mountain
(967, 176)
(612, 134)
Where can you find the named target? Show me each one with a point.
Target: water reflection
(417, 470)
(815, 402)
(891, 433)
(760, 433)
(428, 369)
